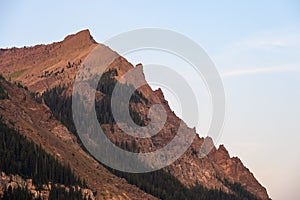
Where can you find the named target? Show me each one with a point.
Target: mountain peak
(83, 35)
(42, 66)
(223, 150)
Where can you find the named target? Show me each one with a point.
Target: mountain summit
(40, 109)
(39, 67)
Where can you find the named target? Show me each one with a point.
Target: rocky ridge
(46, 66)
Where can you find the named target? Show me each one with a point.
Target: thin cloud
(243, 72)
(264, 53)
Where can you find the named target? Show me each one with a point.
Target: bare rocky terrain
(43, 67)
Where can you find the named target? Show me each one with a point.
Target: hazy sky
(255, 46)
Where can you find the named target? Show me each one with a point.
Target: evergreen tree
(23, 157)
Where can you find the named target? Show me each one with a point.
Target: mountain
(36, 123)
(38, 87)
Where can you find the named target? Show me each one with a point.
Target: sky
(255, 45)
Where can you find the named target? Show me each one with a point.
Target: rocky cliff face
(15, 181)
(214, 169)
(46, 66)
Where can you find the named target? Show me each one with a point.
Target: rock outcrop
(16, 181)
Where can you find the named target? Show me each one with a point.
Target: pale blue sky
(255, 46)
